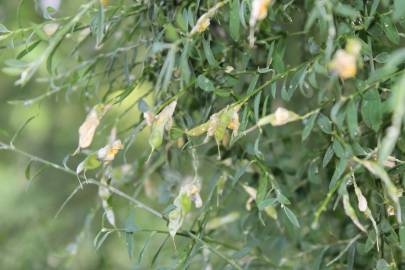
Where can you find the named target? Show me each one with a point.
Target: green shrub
(251, 134)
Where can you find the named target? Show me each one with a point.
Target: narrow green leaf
(28, 170)
(324, 124)
(291, 216)
(352, 119)
(309, 125)
(346, 10)
(402, 238)
(208, 53)
(184, 65)
(3, 29)
(371, 109)
(389, 29)
(205, 84)
(393, 132)
(328, 156)
(340, 169)
(382, 265)
(338, 148)
(399, 9)
(234, 21)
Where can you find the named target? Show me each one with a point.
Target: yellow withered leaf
(89, 126)
(108, 152)
(204, 21)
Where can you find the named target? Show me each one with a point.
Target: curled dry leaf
(390, 162)
(363, 207)
(189, 193)
(149, 118)
(392, 191)
(104, 194)
(89, 126)
(234, 123)
(351, 213)
(108, 152)
(204, 21)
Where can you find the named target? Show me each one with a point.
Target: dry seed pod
(280, 117)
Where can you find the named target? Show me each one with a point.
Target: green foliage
(271, 135)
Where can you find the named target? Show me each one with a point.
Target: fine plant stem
(114, 190)
(215, 251)
(123, 195)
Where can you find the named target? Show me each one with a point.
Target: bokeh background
(31, 237)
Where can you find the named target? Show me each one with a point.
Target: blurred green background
(30, 235)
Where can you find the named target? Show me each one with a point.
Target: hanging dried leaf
(363, 207)
(104, 194)
(390, 188)
(189, 193)
(89, 126)
(149, 118)
(350, 212)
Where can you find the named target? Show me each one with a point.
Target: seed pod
(280, 117)
(198, 130)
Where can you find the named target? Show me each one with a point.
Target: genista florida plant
(250, 134)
